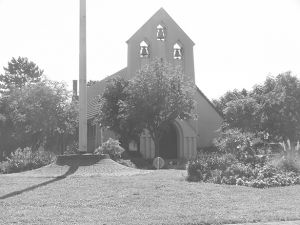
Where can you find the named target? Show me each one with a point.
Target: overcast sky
(237, 42)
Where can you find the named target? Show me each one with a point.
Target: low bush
(26, 159)
(270, 176)
(208, 149)
(111, 147)
(245, 146)
(237, 162)
(200, 169)
(286, 163)
(239, 173)
(232, 141)
(72, 148)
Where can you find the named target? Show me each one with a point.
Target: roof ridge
(209, 102)
(161, 10)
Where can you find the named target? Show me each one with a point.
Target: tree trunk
(156, 146)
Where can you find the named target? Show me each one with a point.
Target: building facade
(161, 37)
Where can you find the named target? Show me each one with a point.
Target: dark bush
(240, 165)
(227, 170)
(208, 149)
(200, 169)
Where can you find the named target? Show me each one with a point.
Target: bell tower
(160, 37)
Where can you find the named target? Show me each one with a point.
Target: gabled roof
(94, 92)
(210, 103)
(161, 13)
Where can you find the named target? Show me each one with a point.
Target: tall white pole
(82, 79)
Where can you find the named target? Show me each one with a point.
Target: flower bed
(225, 169)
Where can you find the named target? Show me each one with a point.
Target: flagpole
(82, 79)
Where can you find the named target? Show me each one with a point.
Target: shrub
(200, 169)
(26, 159)
(237, 173)
(72, 148)
(286, 163)
(240, 170)
(226, 169)
(270, 176)
(244, 146)
(289, 159)
(111, 147)
(232, 140)
(208, 149)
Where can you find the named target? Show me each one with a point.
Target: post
(82, 79)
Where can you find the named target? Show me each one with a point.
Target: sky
(238, 43)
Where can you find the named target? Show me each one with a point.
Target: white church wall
(208, 122)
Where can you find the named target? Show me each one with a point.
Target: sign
(158, 163)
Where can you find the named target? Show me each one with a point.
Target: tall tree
(111, 114)
(18, 73)
(280, 113)
(37, 114)
(157, 95)
(234, 95)
(272, 107)
(242, 113)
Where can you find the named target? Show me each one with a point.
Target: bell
(160, 34)
(177, 54)
(144, 51)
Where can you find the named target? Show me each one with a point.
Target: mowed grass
(160, 197)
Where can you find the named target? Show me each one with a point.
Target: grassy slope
(161, 197)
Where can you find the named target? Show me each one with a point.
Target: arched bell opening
(177, 51)
(161, 32)
(144, 50)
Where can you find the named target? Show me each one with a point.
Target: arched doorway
(168, 148)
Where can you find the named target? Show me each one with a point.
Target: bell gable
(160, 37)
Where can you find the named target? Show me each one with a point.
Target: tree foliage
(280, 113)
(36, 114)
(111, 113)
(157, 95)
(154, 98)
(18, 73)
(273, 107)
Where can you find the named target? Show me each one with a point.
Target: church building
(160, 37)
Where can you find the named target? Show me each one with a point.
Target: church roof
(161, 13)
(95, 91)
(209, 102)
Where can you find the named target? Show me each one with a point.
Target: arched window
(161, 33)
(144, 50)
(177, 51)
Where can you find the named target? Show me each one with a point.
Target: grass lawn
(159, 197)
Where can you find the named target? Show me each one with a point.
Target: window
(161, 33)
(144, 50)
(177, 51)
